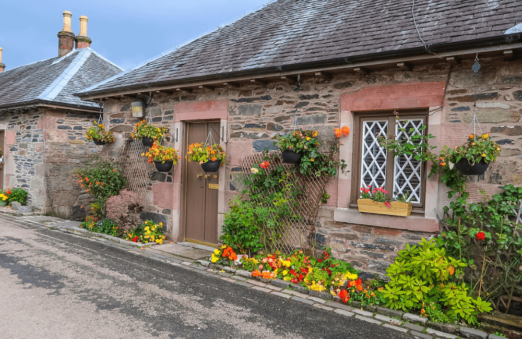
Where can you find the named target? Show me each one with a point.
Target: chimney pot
(2, 65)
(83, 40)
(66, 37)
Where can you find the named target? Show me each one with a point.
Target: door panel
(2, 135)
(201, 200)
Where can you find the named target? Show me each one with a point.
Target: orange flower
(345, 130)
(102, 183)
(423, 311)
(114, 170)
(256, 273)
(471, 136)
(82, 186)
(359, 288)
(86, 179)
(97, 182)
(214, 159)
(338, 132)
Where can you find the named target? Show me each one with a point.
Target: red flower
(135, 239)
(481, 236)
(8, 192)
(264, 164)
(319, 260)
(345, 297)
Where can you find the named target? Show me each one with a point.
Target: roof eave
(436, 48)
(43, 103)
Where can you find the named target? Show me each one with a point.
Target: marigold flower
(338, 132)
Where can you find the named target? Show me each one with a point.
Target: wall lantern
(138, 109)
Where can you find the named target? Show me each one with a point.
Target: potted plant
(164, 157)
(98, 134)
(209, 157)
(4, 196)
(294, 145)
(376, 202)
(472, 158)
(148, 133)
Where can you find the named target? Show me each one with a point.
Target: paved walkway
(58, 285)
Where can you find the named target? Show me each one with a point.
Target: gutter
(419, 53)
(45, 103)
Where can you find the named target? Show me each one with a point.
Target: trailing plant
(102, 179)
(426, 273)
(146, 233)
(17, 194)
(162, 153)
(202, 153)
(125, 209)
(97, 132)
(105, 226)
(143, 130)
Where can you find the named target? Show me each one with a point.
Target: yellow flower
(308, 138)
(483, 155)
(254, 170)
(214, 258)
(147, 228)
(287, 263)
(223, 247)
(285, 272)
(161, 224)
(312, 159)
(216, 252)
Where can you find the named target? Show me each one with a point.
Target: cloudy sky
(127, 32)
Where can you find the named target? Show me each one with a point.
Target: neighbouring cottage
(42, 125)
(324, 64)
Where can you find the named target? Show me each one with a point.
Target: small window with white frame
(401, 176)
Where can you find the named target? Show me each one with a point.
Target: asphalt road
(56, 285)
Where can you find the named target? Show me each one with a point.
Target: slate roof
(53, 81)
(300, 32)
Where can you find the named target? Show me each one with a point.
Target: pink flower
(362, 188)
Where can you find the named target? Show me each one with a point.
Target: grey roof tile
(291, 32)
(55, 80)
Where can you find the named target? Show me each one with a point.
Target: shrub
(424, 274)
(147, 232)
(102, 179)
(125, 210)
(17, 194)
(105, 226)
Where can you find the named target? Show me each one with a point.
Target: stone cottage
(333, 63)
(42, 124)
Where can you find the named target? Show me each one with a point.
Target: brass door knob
(199, 175)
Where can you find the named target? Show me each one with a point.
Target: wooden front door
(201, 191)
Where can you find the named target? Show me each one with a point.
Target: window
(374, 166)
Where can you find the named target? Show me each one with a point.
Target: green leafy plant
(102, 179)
(425, 273)
(17, 194)
(96, 209)
(147, 232)
(143, 130)
(97, 132)
(202, 153)
(105, 226)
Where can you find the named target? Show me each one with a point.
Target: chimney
(66, 37)
(2, 65)
(82, 40)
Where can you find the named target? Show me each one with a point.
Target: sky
(127, 32)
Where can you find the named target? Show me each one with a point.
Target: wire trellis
(295, 232)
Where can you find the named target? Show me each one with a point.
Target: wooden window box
(397, 208)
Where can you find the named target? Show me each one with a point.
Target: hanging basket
(163, 167)
(291, 157)
(98, 142)
(147, 142)
(211, 166)
(467, 169)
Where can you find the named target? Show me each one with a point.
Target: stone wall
(257, 112)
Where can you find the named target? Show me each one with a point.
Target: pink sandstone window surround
(420, 96)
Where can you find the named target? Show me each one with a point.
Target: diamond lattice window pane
(373, 164)
(408, 171)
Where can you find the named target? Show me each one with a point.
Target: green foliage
(96, 209)
(241, 228)
(102, 179)
(97, 132)
(18, 194)
(425, 273)
(105, 226)
(143, 130)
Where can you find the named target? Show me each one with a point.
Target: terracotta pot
(291, 157)
(166, 167)
(98, 142)
(465, 167)
(397, 208)
(147, 142)
(211, 166)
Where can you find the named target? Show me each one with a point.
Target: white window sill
(411, 223)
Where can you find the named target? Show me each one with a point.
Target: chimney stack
(66, 37)
(82, 40)
(2, 65)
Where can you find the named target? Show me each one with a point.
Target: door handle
(199, 175)
(207, 176)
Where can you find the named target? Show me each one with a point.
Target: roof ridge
(104, 58)
(63, 79)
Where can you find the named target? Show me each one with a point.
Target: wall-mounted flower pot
(98, 142)
(147, 142)
(397, 208)
(465, 167)
(211, 166)
(166, 167)
(291, 157)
